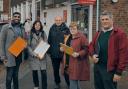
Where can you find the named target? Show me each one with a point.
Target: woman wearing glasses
(77, 63)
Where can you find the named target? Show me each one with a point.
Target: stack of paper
(41, 49)
(67, 49)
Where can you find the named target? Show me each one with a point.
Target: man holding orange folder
(9, 34)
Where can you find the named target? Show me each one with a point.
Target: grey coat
(35, 63)
(7, 37)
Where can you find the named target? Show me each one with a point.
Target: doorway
(80, 15)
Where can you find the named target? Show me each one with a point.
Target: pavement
(25, 78)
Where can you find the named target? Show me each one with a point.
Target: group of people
(108, 51)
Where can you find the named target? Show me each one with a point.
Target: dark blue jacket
(56, 36)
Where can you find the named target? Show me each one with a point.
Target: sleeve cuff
(3, 58)
(119, 73)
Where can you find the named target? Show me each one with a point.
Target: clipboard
(68, 50)
(17, 46)
(41, 49)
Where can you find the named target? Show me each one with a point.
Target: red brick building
(6, 6)
(119, 10)
(6, 10)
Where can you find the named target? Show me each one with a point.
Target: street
(25, 78)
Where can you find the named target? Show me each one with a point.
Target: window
(80, 15)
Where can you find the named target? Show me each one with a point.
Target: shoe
(57, 86)
(36, 88)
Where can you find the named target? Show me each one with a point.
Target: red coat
(79, 67)
(117, 50)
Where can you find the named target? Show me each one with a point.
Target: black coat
(56, 36)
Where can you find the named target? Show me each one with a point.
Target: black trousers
(56, 68)
(43, 78)
(66, 76)
(103, 79)
(12, 74)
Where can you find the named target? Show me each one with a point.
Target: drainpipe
(97, 14)
(22, 13)
(14, 9)
(10, 9)
(18, 8)
(90, 22)
(33, 10)
(27, 9)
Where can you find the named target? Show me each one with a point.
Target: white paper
(41, 49)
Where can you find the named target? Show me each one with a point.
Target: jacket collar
(115, 29)
(10, 25)
(107, 29)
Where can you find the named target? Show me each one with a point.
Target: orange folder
(67, 49)
(17, 46)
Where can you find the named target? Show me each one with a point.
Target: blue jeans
(74, 84)
(12, 75)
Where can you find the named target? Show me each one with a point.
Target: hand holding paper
(41, 49)
(75, 54)
(67, 49)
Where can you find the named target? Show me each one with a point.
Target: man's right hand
(95, 58)
(5, 61)
(61, 49)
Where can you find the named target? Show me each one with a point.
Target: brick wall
(119, 10)
(6, 6)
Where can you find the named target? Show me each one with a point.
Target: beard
(16, 22)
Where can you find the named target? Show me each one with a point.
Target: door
(80, 15)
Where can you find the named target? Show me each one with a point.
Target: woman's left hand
(38, 57)
(116, 78)
(75, 54)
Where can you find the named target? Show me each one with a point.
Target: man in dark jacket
(109, 53)
(56, 36)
